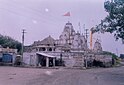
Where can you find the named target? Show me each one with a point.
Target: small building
(97, 46)
(39, 59)
(7, 55)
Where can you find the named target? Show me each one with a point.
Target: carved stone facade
(97, 46)
(67, 35)
(47, 44)
(71, 47)
(69, 40)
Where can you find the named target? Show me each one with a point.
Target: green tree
(6, 41)
(114, 21)
(110, 53)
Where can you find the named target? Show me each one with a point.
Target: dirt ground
(21, 76)
(61, 76)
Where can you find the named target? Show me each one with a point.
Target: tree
(110, 53)
(114, 22)
(6, 41)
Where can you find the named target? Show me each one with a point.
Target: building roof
(68, 23)
(48, 40)
(45, 55)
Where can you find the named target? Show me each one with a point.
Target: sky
(41, 18)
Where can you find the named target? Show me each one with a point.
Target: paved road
(29, 76)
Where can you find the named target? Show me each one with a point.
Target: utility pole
(23, 37)
(83, 28)
(91, 39)
(86, 34)
(79, 27)
(86, 51)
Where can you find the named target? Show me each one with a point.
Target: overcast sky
(42, 18)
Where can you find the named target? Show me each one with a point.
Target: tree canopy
(6, 41)
(114, 21)
(110, 53)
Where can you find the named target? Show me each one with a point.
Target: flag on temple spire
(67, 14)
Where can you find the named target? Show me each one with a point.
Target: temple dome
(49, 40)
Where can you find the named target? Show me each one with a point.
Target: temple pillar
(47, 62)
(53, 62)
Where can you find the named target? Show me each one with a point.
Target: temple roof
(68, 23)
(48, 40)
(68, 28)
